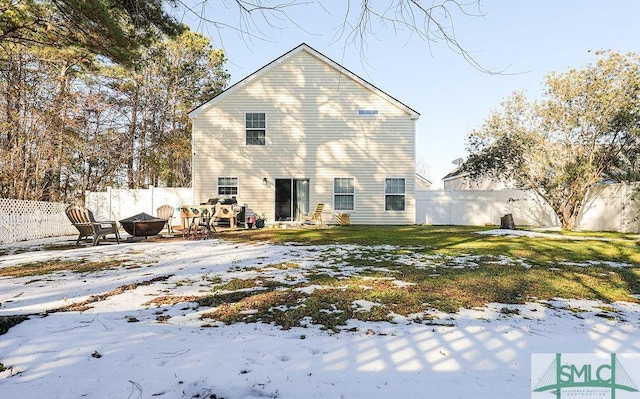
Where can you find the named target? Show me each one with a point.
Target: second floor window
(255, 124)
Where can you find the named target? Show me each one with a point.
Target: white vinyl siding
(315, 133)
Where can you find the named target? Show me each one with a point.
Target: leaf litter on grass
(326, 285)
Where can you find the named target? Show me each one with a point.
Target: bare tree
(355, 23)
(423, 168)
(119, 28)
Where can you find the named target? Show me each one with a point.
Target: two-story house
(304, 130)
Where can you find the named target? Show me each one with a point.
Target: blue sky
(526, 39)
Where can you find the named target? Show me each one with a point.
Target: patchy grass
(414, 291)
(605, 235)
(458, 240)
(84, 305)
(383, 272)
(168, 300)
(52, 266)
(414, 270)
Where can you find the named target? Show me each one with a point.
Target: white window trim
(384, 192)
(333, 194)
(228, 177)
(244, 125)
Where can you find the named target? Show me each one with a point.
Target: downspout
(414, 118)
(193, 162)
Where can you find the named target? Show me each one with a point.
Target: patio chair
(186, 217)
(166, 212)
(82, 218)
(314, 217)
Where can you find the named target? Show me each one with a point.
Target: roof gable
(455, 173)
(193, 114)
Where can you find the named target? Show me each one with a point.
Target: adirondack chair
(314, 217)
(166, 212)
(83, 219)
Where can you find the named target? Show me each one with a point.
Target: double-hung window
(227, 186)
(344, 192)
(255, 124)
(394, 194)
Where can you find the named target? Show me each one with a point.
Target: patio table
(196, 221)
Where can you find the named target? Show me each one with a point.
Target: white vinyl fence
(29, 220)
(609, 207)
(116, 204)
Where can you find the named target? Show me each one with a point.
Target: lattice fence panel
(29, 220)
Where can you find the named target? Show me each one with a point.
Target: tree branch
(432, 24)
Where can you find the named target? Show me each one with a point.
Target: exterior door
(292, 199)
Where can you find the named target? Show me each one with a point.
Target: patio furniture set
(140, 225)
(196, 222)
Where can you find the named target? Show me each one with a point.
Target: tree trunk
(567, 222)
(131, 177)
(568, 213)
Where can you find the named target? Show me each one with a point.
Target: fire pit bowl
(143, 225)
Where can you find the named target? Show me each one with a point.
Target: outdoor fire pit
(143, 225)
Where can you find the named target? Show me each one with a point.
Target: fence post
(109, 203)
(492, 204)
(153, 197)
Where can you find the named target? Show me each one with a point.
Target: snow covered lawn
(120, 344)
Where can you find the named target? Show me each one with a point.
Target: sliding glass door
(292, 199)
